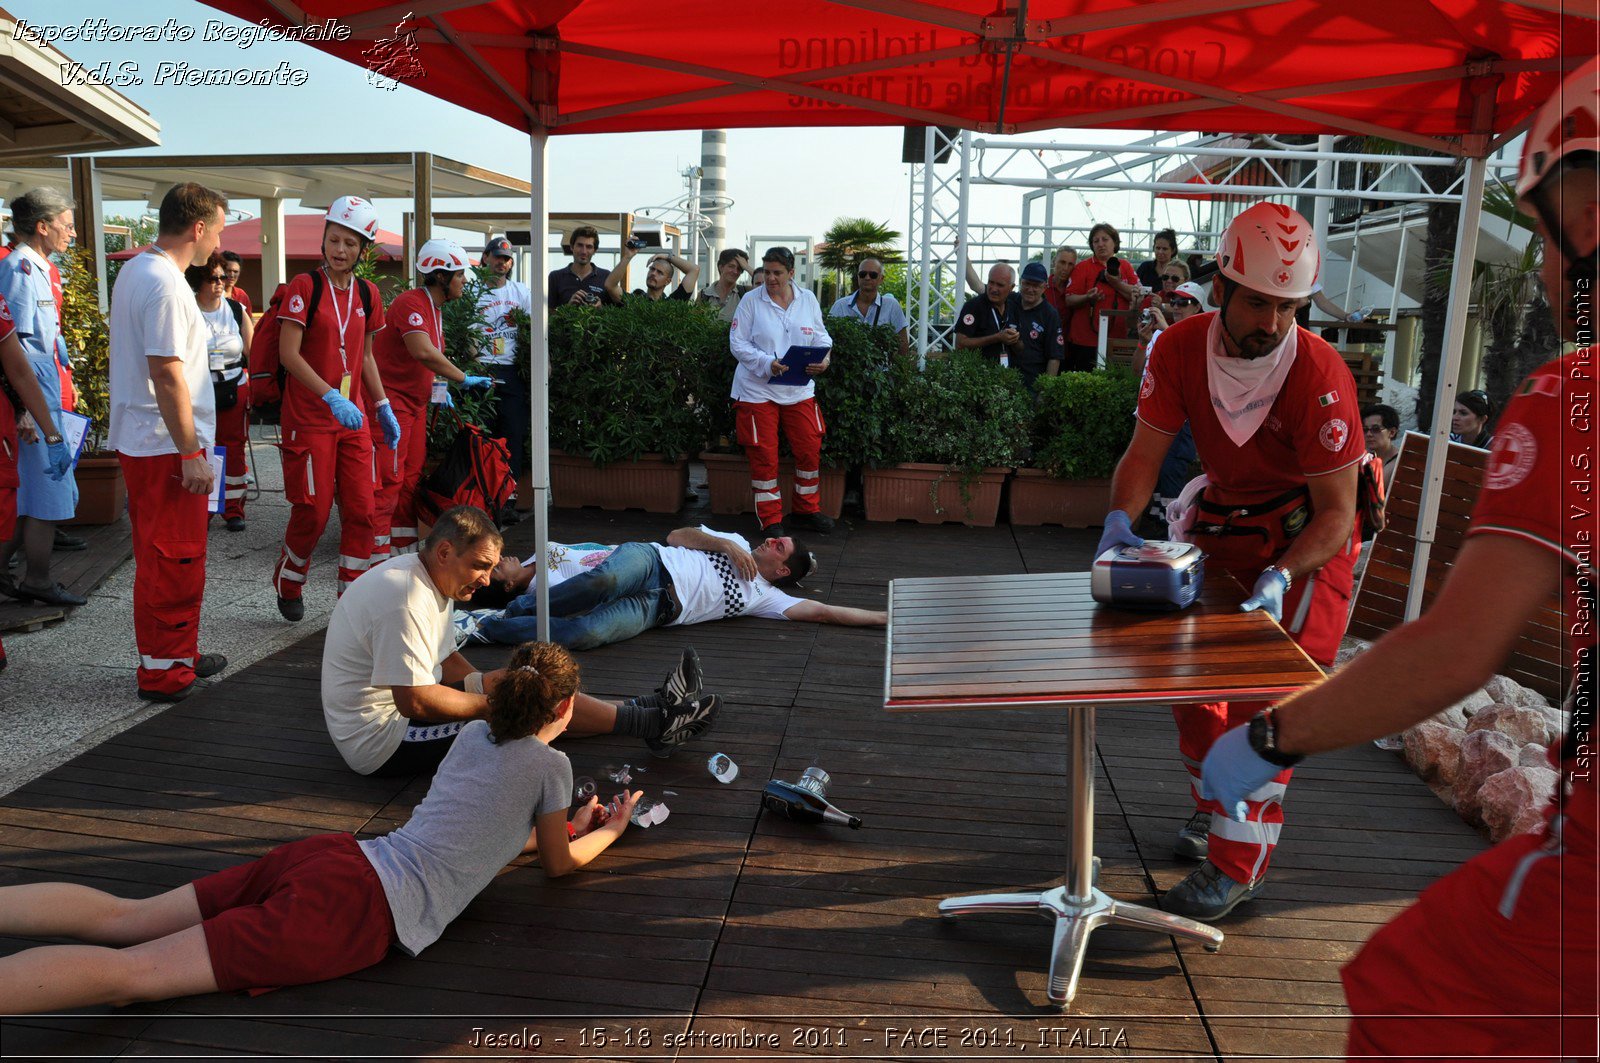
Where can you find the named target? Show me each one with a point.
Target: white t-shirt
(496, 304)
(709, 588)
(391, 628)
(154, 315)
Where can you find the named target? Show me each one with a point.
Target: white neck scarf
(1244, 389)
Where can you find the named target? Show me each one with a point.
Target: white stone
(1433, 750)
(1513, 801)
(1483, 753)
(1534, 755)
(1458, 714)
(1521, 724)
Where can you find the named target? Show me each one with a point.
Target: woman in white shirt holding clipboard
(780, 340)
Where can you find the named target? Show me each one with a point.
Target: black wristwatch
(1263, 735)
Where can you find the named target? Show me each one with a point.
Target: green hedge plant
(963, 411)
(1083, 422)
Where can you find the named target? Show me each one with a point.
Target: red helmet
(1271, 248)
(1568, 122)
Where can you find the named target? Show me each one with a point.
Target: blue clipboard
(797, 359)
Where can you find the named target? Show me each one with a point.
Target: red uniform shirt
(407, 381)
(303, 411)
(1084, 329)
(1313, 428)
(238, 295)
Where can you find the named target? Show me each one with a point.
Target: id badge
(441, 392)
(498, 346)
(344, 386)
(219, 361)
(1005, 361)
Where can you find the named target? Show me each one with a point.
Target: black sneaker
(683, 682)
(165, 698)
(209, 664)
(291, 608)
(1208, 894)
(236, 524)
(820, 523)
(683, 722)
(1194, 837)
(69, 543)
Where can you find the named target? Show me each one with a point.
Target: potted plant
(102, 494)
(854, 398)
(625, 406)
(1081, 425)
(955, 430)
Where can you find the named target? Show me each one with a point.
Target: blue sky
(789, 182)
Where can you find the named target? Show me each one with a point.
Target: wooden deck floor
(722, 925)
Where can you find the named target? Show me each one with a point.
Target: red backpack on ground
(266, 371)
(476, 471)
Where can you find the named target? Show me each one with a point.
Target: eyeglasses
(868, 274)
(214, 279)
(1378, 427)
(1171, 278)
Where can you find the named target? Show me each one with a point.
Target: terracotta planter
(650, 484)
(907, 492)
(102, 494)
(1039, 498)
(728, 476)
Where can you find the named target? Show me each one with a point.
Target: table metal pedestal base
(1075, 921)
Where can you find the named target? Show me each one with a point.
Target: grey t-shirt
(474, 821)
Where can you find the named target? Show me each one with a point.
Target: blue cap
(1035, 271)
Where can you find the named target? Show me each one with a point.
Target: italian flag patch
(1544, 384)
(1329, 399)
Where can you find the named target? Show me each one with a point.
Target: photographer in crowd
(657, 275)
(1099, 283)
(581, 281)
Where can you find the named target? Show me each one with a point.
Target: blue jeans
(625, 594)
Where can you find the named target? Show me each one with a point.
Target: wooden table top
(1035, 641)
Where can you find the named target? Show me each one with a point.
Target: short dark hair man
(697, 575)
(725, 292)
(233, 266)
(1381, 426)
(581, 281)
(1041, 347)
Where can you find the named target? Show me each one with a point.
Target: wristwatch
(52, 439)
(1288, 577)
(1263, 736)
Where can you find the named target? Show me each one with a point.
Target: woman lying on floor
(329, 905)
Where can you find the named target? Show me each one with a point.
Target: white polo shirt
(763, 331)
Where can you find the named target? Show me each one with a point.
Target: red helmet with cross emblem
(1271, 249)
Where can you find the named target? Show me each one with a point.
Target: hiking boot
(683, 682)
(1207, 894)
(170, 699)
(820, 523)
(1194, 837)
(291, 608)
(683, 722)
(209, 664)
(68, 543)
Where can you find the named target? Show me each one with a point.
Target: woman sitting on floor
(328, 906)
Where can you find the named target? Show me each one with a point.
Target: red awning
(1411, 70)
(302, 239)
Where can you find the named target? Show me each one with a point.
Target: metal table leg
(1078, 908)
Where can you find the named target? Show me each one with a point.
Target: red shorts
(306, 912)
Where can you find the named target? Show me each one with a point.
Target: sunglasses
(1183, 300)
(869, 274)
(217, 280)
(1171, 279)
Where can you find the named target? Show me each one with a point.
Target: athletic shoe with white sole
(683, 722)
(683, 683)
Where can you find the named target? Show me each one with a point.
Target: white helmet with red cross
(356, 214)
(1568, 122)
(441, 254)
(1271, 248)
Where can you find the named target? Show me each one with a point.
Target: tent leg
(539, 372)
(1450, 367)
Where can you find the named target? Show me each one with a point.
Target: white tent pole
(539, 373)
(1322, 206)
(1444, 395)
(1392, 337)
(925, 264)
(963, 209)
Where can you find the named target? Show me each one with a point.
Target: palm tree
(849, 240)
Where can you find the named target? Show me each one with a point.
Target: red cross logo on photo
(1511, 457)
(415, 318)
(1334, 434)
(296, 304)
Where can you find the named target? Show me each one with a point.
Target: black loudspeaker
(519, 237)
(915, 140)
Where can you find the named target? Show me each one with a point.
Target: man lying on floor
(605, 594)
(329, 905)
(395, 693)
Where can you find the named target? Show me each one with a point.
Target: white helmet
(1271, 248)
(441, 254)
(1568, 122)
(356, 214)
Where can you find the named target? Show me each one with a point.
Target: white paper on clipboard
(74, 429)
(218, 459)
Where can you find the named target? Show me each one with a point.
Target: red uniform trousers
(169, 569)
(318, 469)
(233, 432)
(1314, 613)
(758, 424)
(1495, 960)
(394, 511)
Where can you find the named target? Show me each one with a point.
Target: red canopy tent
(1450, 75)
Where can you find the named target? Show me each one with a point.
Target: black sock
(640, 721)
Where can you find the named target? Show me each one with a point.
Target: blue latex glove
(1267, 594)
(449, 402)
(1232, 770)
(478, 381)
(60, 460)
(390, 425)
(1119, 532)
(347, 413)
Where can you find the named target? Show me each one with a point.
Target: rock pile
(1486, 754)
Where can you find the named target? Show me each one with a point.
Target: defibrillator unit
(1157, 575)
